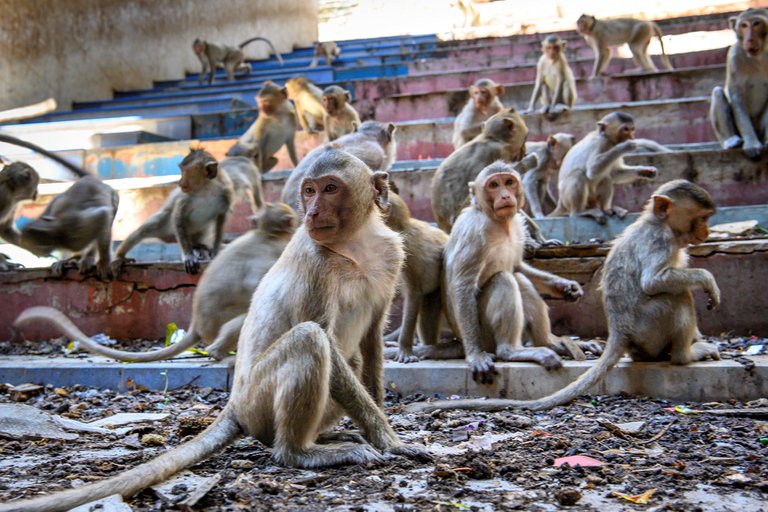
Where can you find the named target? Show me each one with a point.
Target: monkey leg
(226, 338)
(502, 318)
(721, 116)
(640, 56)
(537, 325)
(153, 227)
(411, 306)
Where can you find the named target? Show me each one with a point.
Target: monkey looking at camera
(231, 58)
(483, 103)
(310, 349)
(595, 164)
(308, 101)
(602, 34)
(549, 157)
(554, 85)
(647, 297)
(328, 50)
(198, 206)
(18, 183)
(340, 117)
(739, 113)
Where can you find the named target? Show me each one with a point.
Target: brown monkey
(308, 101)
(602, 34)
(549, 157)
(310, 349)
(246, 180)
(229, 57)
(340, 117)
(739, 113)
(646, 294)
(374, 144)
(200, 203)
(78, 220)
(275, 126)
(488, 290)
(18, 182)
(224, 292)
(328, 50)
(420, 278)
(483, 103)
(554, 84)
(595, 164)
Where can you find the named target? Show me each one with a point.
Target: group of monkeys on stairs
(306, 305)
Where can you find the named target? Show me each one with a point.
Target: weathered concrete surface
(700, 382)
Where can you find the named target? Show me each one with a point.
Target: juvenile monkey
(246, 180)
(310, 349)
(420, 278)
(340, 117)
(483, 103)
(78, 220)
(275, 126)
(595, 164)
(229, 57)
(549, 157)
(602, 34)
(18, 182)
(554, 85)
(328, 50)
(374, 144)
(199, 204)
(739, 113)
(647, 297)
(308, 100)
(224, 292)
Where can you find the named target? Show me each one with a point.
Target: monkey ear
(254, 221)
(732, 22)
(661, 206)
(552, 142)
(499, 90)
(601, 126)
(573, 140)
(211, 169)
(380, 181)
(348, 96)
(284, 92)
(390, 130)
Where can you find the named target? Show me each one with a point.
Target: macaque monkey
(223, 294)
(328, 50)
(340, 117)
(490, 294)
(602, 34)
(647, 297)
(595, 164)
(78, 220)
(549, 157)
(229, 57)
(246, 180)
(555, 85)
(374, 144)
(308, 100)
(483, 103)
(739, 113)
(420, 278)
(310, 349)
(198, 206)
(18, 183)
(275, 126)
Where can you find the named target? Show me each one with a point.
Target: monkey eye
(493, 184)
(330, 188)
(510, 183)
(309, 190)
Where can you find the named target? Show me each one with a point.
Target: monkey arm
(599, 164)
(536, 87)
(463, 285)
(557, 94)
(659, 278)
(651, 145)
(551, 284)
(742, 119)
(372, 350)
(621, 173)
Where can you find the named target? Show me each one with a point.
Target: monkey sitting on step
(310, 349)
(340, 117)
(554, 85)
(646, 286)
(18, 183)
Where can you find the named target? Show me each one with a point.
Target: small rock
(23, 392)
(567, 497)
(152, 440)
(738, 480)
(241, 464)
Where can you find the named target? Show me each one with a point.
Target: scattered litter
(754, 350)
(738, 479)
(754, 412)
(578, 460)
(26, 422)
(476, 444)
(186, 488)
(24, 392)
(112, 503)
(632, 427)
(152, 440)
(103, 339)
(639, 499)
(126, 418)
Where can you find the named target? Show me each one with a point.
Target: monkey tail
(664, 56)
(222, 432)
(559, 210)
(10, 139)
(69, 329)
(277, 54)
(614, 351)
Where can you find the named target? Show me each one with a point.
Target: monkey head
(399, 213)
(558, 146)
(751, 27)
(484, 91)
(585, 24)
(497, 191)
(508, 126)
(617, 127)
(383, 133)
(21, 180)
(685, 208)
(552, 47)
(197, 167)
(198, 46)
(338, 194)
(275, 219)
(271, 97)
(334, 99)
(295, 85)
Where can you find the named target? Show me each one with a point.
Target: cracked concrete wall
(82, 50)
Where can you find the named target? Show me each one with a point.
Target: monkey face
(689, 221)
(326, 206)
(194, 174)
(584, 24)
(331, 104)
(503, 193)
(751, 31)
(482, 96)
(552, 51)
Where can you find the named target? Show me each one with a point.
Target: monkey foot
(733, 142)
(412, 451)
(406, 357)
(483, 370)
(343, 436)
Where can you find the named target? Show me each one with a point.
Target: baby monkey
(555, 85)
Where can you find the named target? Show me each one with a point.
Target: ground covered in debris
(639, 451)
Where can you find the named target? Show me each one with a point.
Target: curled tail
(10, 139)
(614, 351)
(247, 41)
(65, 325)
(664, 56)
(223, 431)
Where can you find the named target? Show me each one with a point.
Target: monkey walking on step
(231, 58)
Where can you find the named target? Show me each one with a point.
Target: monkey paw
(648, 172)
(714, 297)
(406, 356)
(617, 211)
(704, 350)
(118, 265)
(483, 370)
(733, 142)
(591, 346)
(191, 265)
(753, 151)
(571, 291)
(553, 242)
(412, 451)
(343, 436)
(550, 360)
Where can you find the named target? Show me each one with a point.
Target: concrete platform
(699, 382)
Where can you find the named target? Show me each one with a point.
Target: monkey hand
(592, 346)
(553, 242)
(118, 265)
(569, 290)
(702, 350)
(406, 356)
(104, 271)
(481, 364)
(191, 264)
(713, 291)
(753, 149)
(648, 172)
(411, 451)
